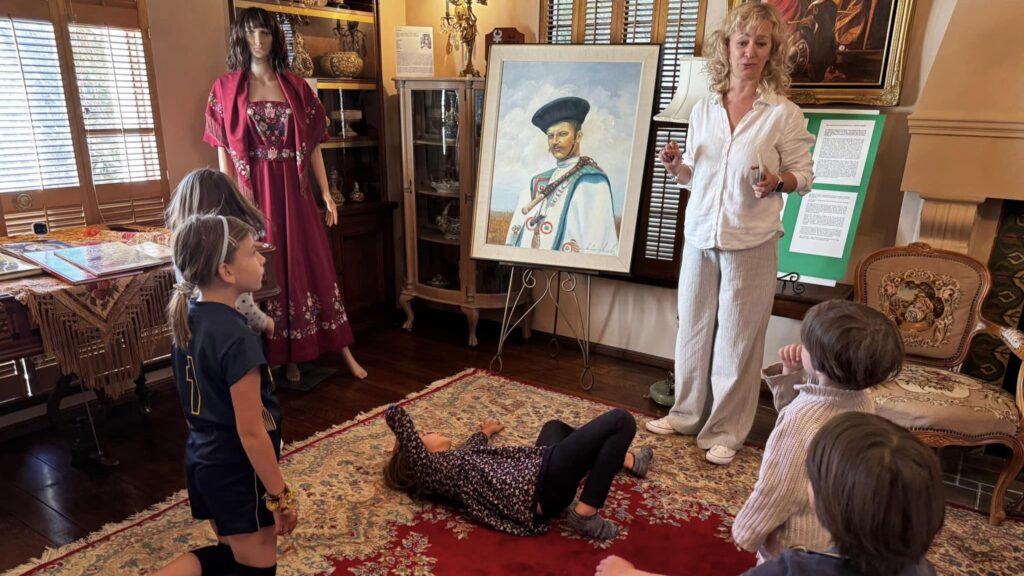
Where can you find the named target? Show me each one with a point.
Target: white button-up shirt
(722, 211)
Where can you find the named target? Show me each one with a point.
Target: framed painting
(849, 51)
(562, 154)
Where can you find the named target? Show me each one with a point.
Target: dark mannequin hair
(239, 57)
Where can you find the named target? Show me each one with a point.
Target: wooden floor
(46, 502)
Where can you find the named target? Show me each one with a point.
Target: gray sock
(641, 462)
(593, 526)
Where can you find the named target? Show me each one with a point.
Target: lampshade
(693, 85)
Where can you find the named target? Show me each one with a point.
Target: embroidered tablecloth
(102, 331)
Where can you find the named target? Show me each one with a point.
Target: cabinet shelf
(324, 83)
(318, 12)
(434, 235)
(350, 143)
(436, 194)
(452, 143)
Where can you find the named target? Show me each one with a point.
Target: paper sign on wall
(414, 50)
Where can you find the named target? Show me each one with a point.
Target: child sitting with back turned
(845, 349)
(876, 488)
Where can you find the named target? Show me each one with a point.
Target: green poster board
(794, 252)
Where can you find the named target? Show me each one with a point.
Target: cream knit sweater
(778, 515)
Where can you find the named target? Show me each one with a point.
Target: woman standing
(746, 146)
(267, 124)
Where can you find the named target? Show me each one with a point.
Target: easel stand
(554, 285)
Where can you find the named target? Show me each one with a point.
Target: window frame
(60, 207)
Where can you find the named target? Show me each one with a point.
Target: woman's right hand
(285, 521)
(671, 158)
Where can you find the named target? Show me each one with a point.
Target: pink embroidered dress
(269, 145)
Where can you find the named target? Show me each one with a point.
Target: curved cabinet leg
(405, 300)
(472, 317)
(527, 326)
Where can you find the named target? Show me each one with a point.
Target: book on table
(20, 249)
(108, 258)
(43, 253)
(158, 251)
(11, 268)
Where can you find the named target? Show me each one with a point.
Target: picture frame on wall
(849, 51)
(562, 154)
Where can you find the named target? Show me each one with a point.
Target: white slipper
(720, 455)
(660, 426)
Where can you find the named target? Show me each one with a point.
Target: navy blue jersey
(222, 350)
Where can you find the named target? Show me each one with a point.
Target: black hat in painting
(560, 110)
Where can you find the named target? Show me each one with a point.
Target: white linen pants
(725, 301)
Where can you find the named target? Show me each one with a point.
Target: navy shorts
(230, 495)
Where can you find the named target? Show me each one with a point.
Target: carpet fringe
(180, 497)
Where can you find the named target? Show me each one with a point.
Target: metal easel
(554, 285)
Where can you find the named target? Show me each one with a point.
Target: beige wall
(523, 15)
(189, 39)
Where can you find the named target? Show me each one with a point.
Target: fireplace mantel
(967, 132)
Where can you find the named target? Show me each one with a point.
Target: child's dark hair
(239, 57)
(206, 191)
(877, 490)
(196, 249)
(398, 474)
(854, 345)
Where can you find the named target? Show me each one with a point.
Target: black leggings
(597, 451)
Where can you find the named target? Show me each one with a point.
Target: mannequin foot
(292, 374)
(353, 366)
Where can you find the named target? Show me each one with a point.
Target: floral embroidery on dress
(215, 104)
(271, 154)
(922, 304)
(309, 320)
(271, 120)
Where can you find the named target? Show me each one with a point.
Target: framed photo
(846, 50)
(562, 154)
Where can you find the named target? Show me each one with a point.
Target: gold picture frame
(867, 69)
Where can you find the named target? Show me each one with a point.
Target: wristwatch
(780, 185)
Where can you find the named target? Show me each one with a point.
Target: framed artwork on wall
(849, 51)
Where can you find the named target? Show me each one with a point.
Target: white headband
(227, 238)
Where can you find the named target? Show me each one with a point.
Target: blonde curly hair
(775, 77)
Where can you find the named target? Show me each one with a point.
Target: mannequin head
(256, 35)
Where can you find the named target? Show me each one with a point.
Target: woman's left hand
(331, 217)
(768, 182)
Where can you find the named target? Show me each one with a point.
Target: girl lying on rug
(876, 488)
(519, 489)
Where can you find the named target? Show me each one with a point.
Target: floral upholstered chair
(935, 298)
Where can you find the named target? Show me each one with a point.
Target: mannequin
(267, 125)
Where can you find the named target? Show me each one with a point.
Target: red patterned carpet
(675, 521)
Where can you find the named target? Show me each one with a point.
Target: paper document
(841, 151)
(414, 50)
(823, 223)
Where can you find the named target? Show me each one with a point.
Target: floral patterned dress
(309, 316)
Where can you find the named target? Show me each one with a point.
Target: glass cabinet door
(351, 152)
(436, 180)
